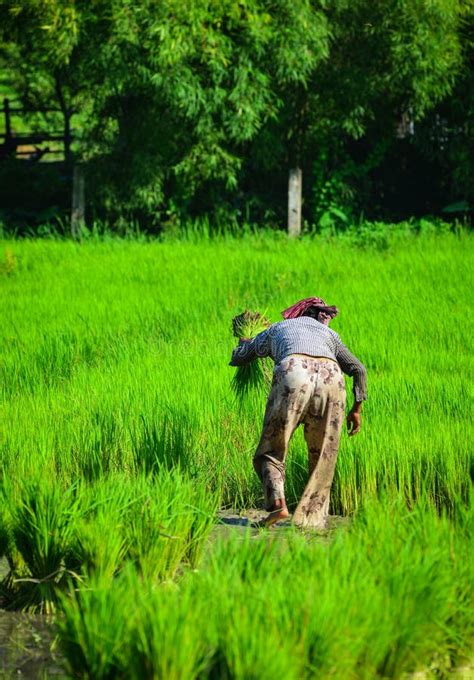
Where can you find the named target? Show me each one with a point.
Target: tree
(385, 58)
(39, 39)
(170, 90)
(181, 106)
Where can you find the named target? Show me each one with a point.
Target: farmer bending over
(308, 387)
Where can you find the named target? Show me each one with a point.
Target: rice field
(122, 439)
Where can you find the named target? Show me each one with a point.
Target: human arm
(249, 349)
(351, 365)
(354, 419)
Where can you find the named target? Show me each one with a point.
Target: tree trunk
(67, 139)
(78, 201)
(8, 127)
(295, 183)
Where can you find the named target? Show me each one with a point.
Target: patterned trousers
(308, 390)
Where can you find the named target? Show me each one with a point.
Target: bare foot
(274, 516)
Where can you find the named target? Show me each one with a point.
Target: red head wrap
(326, 313)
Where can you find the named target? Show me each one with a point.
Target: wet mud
(27, 644)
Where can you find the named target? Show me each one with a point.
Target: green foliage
(183, 108)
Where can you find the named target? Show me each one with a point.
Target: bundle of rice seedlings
(257, 373)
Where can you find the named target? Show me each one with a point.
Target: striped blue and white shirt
(303, 335)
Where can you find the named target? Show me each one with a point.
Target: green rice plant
(121, 433)
(42, 524)
(5, 531)
(128, 629)
(95, 627)
(241, 583)
(255, 374)
(387, 596)
(166, 444)
(169, 641)
(99, 452)
(99, 545)
(159, 523)
(7, 551)
(166, 530)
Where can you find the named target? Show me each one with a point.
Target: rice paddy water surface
(121, 437)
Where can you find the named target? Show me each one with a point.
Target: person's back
(303, 335)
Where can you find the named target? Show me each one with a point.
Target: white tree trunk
(295, 183)
(78, 202)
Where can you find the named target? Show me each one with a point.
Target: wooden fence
(30, 146)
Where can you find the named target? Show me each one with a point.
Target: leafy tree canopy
(169, 97)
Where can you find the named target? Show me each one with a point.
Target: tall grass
(111, 351)
(121, 436)
(388, 596)
(58, 536)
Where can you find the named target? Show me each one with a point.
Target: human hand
(354, 422)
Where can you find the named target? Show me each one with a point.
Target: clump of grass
(55, 537)
(95, 627)
(9, 264)
(254, 375)
(42, 523)
(127, 628)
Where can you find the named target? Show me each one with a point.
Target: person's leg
(323, 422)
(285, 407)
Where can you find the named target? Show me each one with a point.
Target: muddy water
(27, 644)
(231, 521)
(26, 647)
